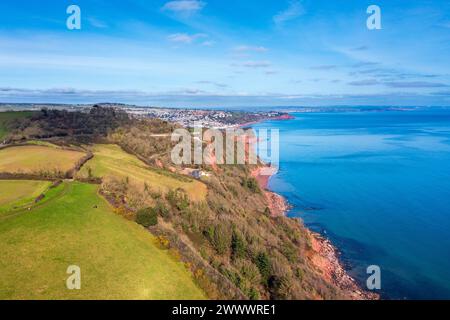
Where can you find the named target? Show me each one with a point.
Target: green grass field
(112, 160)
(8, 116)
(75, 226)
(36, 159)
(15, 194)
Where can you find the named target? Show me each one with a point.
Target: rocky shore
(325, 256)
(277, 204)
(326, 259)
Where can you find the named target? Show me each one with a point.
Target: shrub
(163, 242)
(278, 287)
(147, 217)
(253, 294)
(263, 263)
(251, 184)
(220, 238)
(232, 276)
(178, 199)
(290, 252)
(249, 271)
(237, 246)
(161, 209)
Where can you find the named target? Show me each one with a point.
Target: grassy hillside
(118, 258)
(231, 235)
(111, 160)
(5, 117)
(37, 159)
(18, 193)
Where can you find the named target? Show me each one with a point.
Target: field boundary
(69, 174)
(14, 213)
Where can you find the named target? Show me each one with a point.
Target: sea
(377, 184)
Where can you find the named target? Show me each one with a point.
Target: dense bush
(251, 184)
(161, 209)
(262, 261)
(178, 199)
(147, 217)
(62, 123)
(237, 245)
(220, 238)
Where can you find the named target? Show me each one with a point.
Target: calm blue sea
(378, 185)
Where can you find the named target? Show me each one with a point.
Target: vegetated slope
(7, 117)
(35, 159)
(118, 258)
(232, 232)
(15, 194)
(62, 123)
(111, 160)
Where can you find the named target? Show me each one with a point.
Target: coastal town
(186, 117)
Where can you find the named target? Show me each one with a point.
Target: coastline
(325, 255)
(286, 116)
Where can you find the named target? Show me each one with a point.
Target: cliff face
(235, 238)
(324, 257)
(240, 231)
(248, 238)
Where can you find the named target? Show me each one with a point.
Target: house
(197, 174)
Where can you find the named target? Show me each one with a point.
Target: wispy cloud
(445, 24)
(257, 64)
(184, 6)
(245, 48)
(294, 10)
(208, 43)
(442, 93)
(186, 38)
(360, 48)
(364, 64)
(214, 83)
(97, 23)
(415, 84)
(367, 82)
(193, 96)
(324, 67)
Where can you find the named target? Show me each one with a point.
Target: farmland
(19, 193)
(111, 160)
(118, 258)
(35, 159)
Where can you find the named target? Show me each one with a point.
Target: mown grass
(111, 160)
(35, 159)
(118, 258)
(8, 116)
(16, 194)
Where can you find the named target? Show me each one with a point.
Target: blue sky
(227, 53)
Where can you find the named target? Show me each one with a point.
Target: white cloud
(324, 67)
(257, 64)
(250, 48)
(294, 10)
(184, 6)
(195, 97)
(97, 23)
(217, 84)
(208, 43)
(186, 38)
